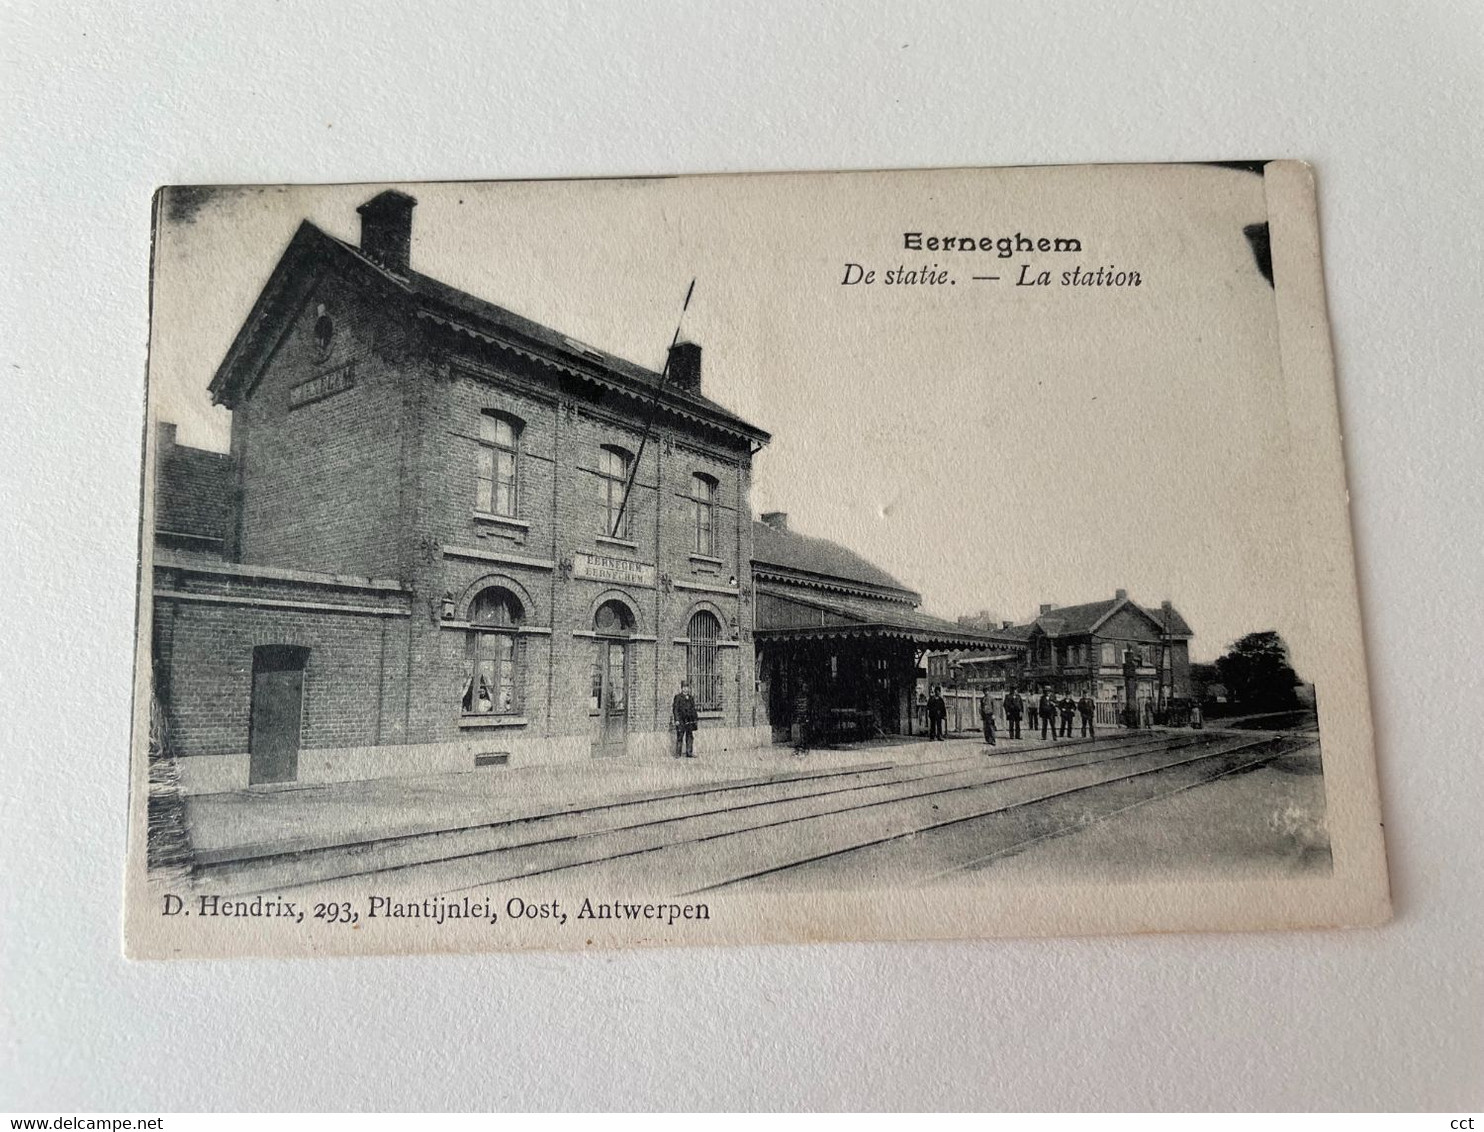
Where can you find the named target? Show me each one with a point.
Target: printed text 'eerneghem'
(1003, 246)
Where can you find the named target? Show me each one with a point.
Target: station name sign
(606, 568)
(325, 385)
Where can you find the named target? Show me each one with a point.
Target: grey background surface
(100, 104)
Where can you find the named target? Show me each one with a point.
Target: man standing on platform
(1086, 708)
(1014, 708)
(986, 716)
(1067, 708)
(684, 717)
(937, 713)
(1046, 708)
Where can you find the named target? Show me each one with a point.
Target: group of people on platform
(1053, 715)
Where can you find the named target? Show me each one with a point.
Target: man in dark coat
(1086, 709)
(684, 717)
(937, 713)
(1014, 708)
(1046, 708)
(986, 716)
(1067, 708)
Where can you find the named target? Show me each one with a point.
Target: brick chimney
(1007, 624)
(685, 367)
(386, 229)
(164, 437)
(1120, 595)
(778, 520)
(1046, 607)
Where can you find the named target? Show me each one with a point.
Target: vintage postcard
(736, 559)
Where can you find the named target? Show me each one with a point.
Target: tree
(1257, 673)
(1202, 676)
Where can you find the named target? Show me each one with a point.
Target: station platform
(285, 819)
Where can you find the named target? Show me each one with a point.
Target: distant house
(1114, 650)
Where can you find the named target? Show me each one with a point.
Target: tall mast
(654, 407)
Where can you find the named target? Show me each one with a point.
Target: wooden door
(277, 710)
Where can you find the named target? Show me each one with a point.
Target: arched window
(703, 661)
(613, 619)
(613, 622)
(613, 475)
(703, 501)
(497, 471)
(496, 655)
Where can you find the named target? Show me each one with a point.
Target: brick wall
(1180, 667)
(379, 479)
(206, 626)
(319, 482)
(559, 515)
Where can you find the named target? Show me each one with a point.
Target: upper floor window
(703, 502)
(703, 661)
(495, 654)
(613, 476)
(1136, 653)
(497, 470)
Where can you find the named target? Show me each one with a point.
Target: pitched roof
(193, 493)
(458, 310)
(858, 617)
(1017, 632)
(1068, 619)
(1072, 620)
(822, 559)
(1178, 626)
(502, 319)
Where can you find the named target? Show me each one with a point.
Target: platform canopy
(786, 615)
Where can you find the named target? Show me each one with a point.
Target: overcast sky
(993, 446)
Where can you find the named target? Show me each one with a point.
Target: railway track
(838, 828)
(974, 841)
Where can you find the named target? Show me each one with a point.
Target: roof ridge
(491, 316)
(430, 287)
(822, 557)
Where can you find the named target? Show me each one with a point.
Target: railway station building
(425, 559)
(448, 537)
